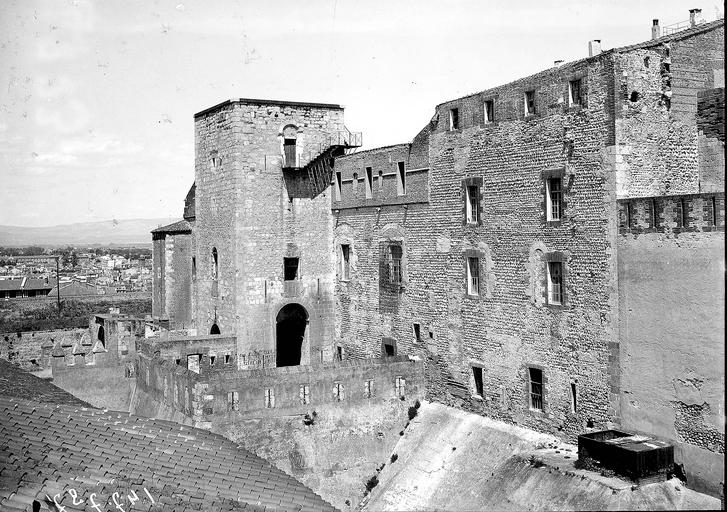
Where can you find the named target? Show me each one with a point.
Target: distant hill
(108, 232)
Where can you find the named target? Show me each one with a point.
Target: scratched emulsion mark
(116, 502)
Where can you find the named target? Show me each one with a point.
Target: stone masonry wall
(508, 327)
(178, 277)
(243, 209)
(32, 349)
(656, 111)
(710, 124)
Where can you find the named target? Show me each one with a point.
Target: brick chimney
(695, 17)
(594, 47)
(655, 30)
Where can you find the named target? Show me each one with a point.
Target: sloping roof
(46, 449)
(676, 36)
(181, 226)
(28, 283)
(16, 382)
(189, 205)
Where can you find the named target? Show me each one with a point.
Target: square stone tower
(263, 258)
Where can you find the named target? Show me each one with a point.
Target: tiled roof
(16, 382)
(181, 226)
(676, 36)
(47, 449)
(26, 284)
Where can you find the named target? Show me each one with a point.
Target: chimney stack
(557, 63)
(594, 47)
(695, 17)
(655, 30)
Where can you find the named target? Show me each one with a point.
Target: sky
(97, 97)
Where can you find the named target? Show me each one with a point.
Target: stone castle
(549, 252)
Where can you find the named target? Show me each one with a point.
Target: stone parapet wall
(33, 349)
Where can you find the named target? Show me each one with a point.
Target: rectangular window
(573, 397)
(212, 360)
(269, 398)
(337, 189)
(304, 394)
(233, 401)
(477, 374)
(400, 387)
(529, 103)
(339, 394)
(536, 388)
(416, 328)
(345, 262)
(555, 282)
(472, 206)
(368, 388)
(473, 276)
(290, 267)
(489, 111)
(369, 182)
(454, 119)
(354, 183)
(574, 93)
(682, 215)
(339, 353)
(713, 210)
(227, 358)
(401, 179)
(553, 197)
(389, 350)
(394, 264)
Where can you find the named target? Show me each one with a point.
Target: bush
(372, 482)
(413, 412)
(417, 404)
(536, 461)
(394, 457)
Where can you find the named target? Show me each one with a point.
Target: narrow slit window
(655, 221)
(339, 353)
(381, 179)
(401, 179)
(489, 111)
(416, 329)
(555, 282)
(369, 182)
(713, 216)
(536, 388)
(339, 393)
(194, 267)
(269, 398)
(477, 374)
(473, 276)
(529, 103)
(337, 190)
(679, 212)
(400, 387)
(290, 267)
(472, 207)
(354, 183)
(368, 389)
(574, 93)
(345, 262)
(233, 401)
(573, 397)
(554, 199)
(305, 394)
(454, 119)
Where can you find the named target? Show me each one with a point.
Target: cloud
(70, 117)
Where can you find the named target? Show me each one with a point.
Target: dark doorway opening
(290, 326)
(289, 152)
(290, 269)
(215, 329)
(102, 336)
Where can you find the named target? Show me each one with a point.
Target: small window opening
(472, 207)
(194, 267)
(574, 89)
(215, 329)
(416, 327)
(227, 358)
(345, 262)
(290, 267)
(233, 401)
(555, 282)
(304, 394)
(178, 361)
(647, 62)
(389, 350)
(337, 190)
(400, 387)
(269, 398)
(635, 96)
(339, 353)
(339, 394)
(473, 276)
(454, 119)
(215, 264)
(212, 360)
(381, 179)
(368, 389)
(680, 213)
(369, 182)
(713, 216)
(401, 179)
(394, 264)
(554, 198)
(489, 111)
(529, 103)
(477, 374)
(536, 388)
(573, 397)
(193, 362)
(654, 215)
(354, 183)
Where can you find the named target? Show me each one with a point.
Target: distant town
(32, 273)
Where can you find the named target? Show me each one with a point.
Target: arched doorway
(290, 326)
(215, 329)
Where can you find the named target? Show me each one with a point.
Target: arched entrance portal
(290, 325)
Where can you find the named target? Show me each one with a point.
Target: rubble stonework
(388, 253)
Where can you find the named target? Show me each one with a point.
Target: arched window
(215, 329)
(215, 264)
